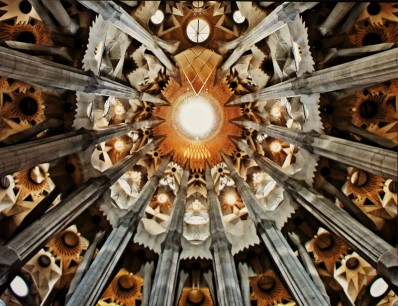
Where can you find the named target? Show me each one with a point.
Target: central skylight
(196, 117)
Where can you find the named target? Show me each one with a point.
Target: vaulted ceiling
(265, 130)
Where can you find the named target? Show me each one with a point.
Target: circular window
(158, 17)
(198, 30)
(238, 17)
(378, 288)
(19, 287)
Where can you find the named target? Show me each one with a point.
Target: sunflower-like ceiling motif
(144, 97)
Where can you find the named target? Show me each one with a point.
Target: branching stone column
(47, 74)
(274, 21)
(29, 154)
(62, 16)
(378, 161)
(101, 271)
(363, 72)
(367, 244)
(126, 23)
(228, 290)
(300, 285)
(23, 246)
(164, 284)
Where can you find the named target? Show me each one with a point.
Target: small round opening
(196, 176)
(220, 169)
(19, 287)
(328, 109)
(266, 283)
(238, 155)
(148, 109)
(28, 106)
(378, 288)
(174, 169)
(68, 107)
(368, 109)
(126, 282)
(70, 239)
(44, 261)
(70, 168)
(325, 171)
(371, 39)
(359, 178)
(96, 219)
(26, 37)
(156, 154)
(25, 7)
(4, 182)
(374, 8)
(158, 17)
(324, 241)
(196, 297)
(238, 17)
(392, 187)
(352, 263)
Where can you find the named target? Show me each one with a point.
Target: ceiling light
(196, 117)
(198, 30)
(238, 17)
(158, 17)
(162, 198)
(378, 288)
(275, 147)
(119, 144)
(19, 287)
(230, 199)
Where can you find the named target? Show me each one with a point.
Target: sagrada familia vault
(188, 153)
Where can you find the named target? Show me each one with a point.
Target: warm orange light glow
(230, 199)
(275, 111)
(119, 145)
(275, 147)
(162, 198)
(119, 109)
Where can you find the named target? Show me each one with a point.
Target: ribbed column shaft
(372, 248)
(364, 72)
(50, 75)
(164, 284)
(378, 161)
(29, 154)
(101, 271)
(300, 285)
(274, 21)
(228, 290)
(23, 246)
(126, 23)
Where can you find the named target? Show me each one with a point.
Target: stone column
(228, 290)
(24, 245)
(364, 72)
(300, 285)
(89, 291)
(29, 154)
(274, 21)
(367, 244)
(122, 20)
(61, 15)
(50, 75)
(165, 281)
(378, 161)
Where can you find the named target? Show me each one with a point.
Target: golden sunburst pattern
(195, 297)
(327, 248)
(267, 289)
(363, 185)
(68, 246)
(366, 34)
(353, 274)
(377, 13)
(124, 290)
(372, 109)
(185, 147)
(34, 33)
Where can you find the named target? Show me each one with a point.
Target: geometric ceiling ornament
(197, 65)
